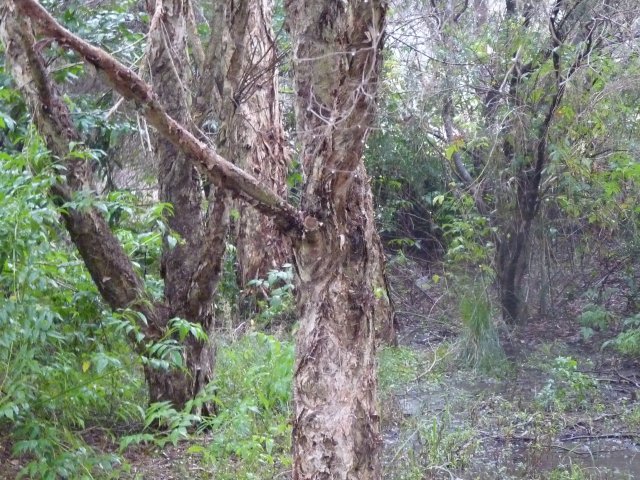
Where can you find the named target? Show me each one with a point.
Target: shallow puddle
(601, 459)
(512, 436)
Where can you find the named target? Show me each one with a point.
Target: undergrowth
(64, 368)
(251, 435)
(70, 383)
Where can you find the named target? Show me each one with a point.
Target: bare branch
(221, 172)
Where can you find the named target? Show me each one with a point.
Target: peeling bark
(191, 269)
(242, 65)
(336, 63)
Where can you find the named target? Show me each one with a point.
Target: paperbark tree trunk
(241, 64)
(202, 232)
(336, 48)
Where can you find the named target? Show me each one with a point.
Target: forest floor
(547, 404)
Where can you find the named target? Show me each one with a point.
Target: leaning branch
(106, 261)
(221, 172)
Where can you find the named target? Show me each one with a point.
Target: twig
(573, 450)
(113, 109)
(626, 379)
(629, 435)
(401, 448)
(505, 438)
(283, 474)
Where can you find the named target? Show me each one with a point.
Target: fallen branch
(627, 379)
(623, 436)
(589, 452)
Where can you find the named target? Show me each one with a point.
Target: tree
(504, 74)
(191, 268)
(239, 82)
(539, 80)
(337, 51)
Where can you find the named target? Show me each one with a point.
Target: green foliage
(573, 472)
(627, 342)
(433, 444)
(398, 366)
(405, 169)
(63, 366)
(14, 126)
(228, 290)
(115, 26)
(251, 433)
(65, 360)
(252, 390)
(164, 424)
(275, 300)
(60, 453)
(567, 388)
(467, 234)
(444, 445)
(593, 318)
(632, 417)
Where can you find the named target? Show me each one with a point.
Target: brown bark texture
(337, 61)
(190, 270)
(241, 64)
(336, 48)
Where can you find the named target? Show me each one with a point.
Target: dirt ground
(538, 418)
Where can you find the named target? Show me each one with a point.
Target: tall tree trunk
(336, 47)
(192, 269)
(240, 91)
(514, 235)
(202, 232)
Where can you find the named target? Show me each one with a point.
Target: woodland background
(149, 310)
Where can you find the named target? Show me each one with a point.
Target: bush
(252, 390)
(63, 368)
(567, 388)
(627, 342)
